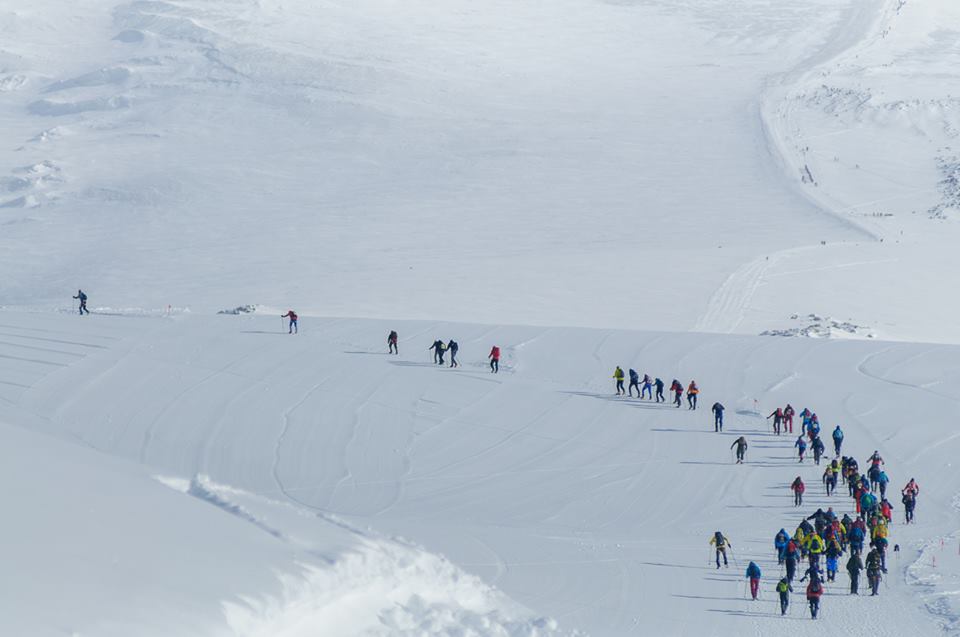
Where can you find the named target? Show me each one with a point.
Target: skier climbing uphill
(801, 446)
(784, 589)
(677, 390)
(494, 357)
(634, 382)
(692, 392)
(618, 376)
(721, 543)
(814, 591)
(753, 574)
(837, 440)
(392, 342)
(717, 417)
(293, 321)
(798, 488)
(777, 416)
(83, 302)
(438, 347)
(741, 445)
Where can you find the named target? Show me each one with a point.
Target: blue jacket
(883, 479)
(633, 376)
(753, 571)
(800, 443)
(837, 434)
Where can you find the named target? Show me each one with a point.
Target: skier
(873, 572)
(801, 446)
(753, 574)
(880, 546)
(798, 488)
(83, 302)
(790, 558)
(741, 445)
(868, 505)
(814, 591)
(855, 536)
(832, 553)
(912, 488)
(788, 413)
(438, 348)
(659, 385)
(780, 543)
(392, 342)
(677, 390)
(876, 460)
(829, 480)
(777, 416)
(804, 420)
(909, 504)
(692, 391)
(886, 510)
(648, 387)
(784, 589)
(618, 376)
(634, 382)
(873, 473)
(717, 417)
(815, 548)
(837, 440)
(453, 347)
(293, 321)
(883, 480)
(721, 543)
(854, 566)
(818, 449)
(494, 360)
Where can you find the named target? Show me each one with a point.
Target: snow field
(589, 509)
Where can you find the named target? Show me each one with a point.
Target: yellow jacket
(815, 544)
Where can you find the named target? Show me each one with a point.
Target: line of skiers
(440, 349)
(645, 388)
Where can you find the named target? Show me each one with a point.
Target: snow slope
(868, 129)
(592, 510)
(487, 173)
(375, 159)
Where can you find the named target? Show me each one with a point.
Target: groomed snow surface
(669, 179)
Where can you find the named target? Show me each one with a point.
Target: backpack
(718, 538)
(83, 297)
(815, 586)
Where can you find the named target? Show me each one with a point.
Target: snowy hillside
(585, 183)
(278, 147)
(592, 510)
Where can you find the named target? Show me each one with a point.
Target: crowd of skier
(822, 542)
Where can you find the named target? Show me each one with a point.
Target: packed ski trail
(588, 508)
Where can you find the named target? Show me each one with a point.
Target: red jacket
(495, 353)
(291, 314)
(799, 487)
(814, 594)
